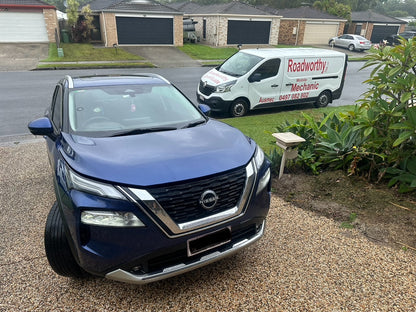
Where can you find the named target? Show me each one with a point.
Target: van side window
(268, 69)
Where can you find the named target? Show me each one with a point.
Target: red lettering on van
(304, 87)
(307, 66)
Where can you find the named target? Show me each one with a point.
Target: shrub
(376, 139)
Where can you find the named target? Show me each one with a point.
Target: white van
(261, 78)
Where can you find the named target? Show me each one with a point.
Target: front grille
(181, 201)
(206, 89)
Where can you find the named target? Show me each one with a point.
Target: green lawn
(261, 127)
(76, 52)
(203, 52)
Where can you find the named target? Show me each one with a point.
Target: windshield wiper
(143, 130)
(194, 124)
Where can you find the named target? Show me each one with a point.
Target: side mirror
(41, 126)
(256, 77)
(205, 109)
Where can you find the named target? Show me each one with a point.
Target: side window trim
(57, 101)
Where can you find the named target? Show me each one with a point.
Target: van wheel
(351, 47)
(238, 108)
(57, 247)
(324, 99)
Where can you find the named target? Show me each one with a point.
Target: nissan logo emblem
(208, 199)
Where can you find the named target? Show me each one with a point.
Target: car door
(344, 41)
(338, 41)
(55, 114)
(265, 83)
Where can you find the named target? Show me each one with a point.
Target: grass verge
(203, 52)
(260, 127)
(96, 65)
(76, 52)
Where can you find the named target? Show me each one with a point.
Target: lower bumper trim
(127, 277)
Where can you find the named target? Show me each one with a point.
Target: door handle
(274, 85)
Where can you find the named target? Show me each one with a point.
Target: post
(287, 141)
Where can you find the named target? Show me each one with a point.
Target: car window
(268, 69)
(57, 108)
(104, 111)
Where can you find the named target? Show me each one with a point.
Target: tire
(323, 99)
(57, 248)
(238, 108)
(331, 43)
(351, 47)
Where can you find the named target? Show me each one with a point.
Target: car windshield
(129, 109)
(239, 64)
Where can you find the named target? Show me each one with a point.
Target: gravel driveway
(304, 262)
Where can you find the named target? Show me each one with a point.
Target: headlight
(265, 178)
(259, 157)
(110, 218)
(77, 182)
(225, 87)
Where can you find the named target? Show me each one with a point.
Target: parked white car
(350, 42)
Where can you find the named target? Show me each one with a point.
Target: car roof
(115, 80)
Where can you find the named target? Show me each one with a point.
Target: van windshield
(239, 64)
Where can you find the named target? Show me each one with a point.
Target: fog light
(110, 218)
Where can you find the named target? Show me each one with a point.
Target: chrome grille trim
(159, 214)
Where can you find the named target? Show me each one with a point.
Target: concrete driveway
(22, 56)
(163, 57)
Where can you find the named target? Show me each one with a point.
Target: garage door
(248, 32)
(319, 33)
(144, 30)
(382, 31)
(22, 27)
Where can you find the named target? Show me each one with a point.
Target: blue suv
(147, 186)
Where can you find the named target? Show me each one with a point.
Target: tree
(334, 8)
(72, 12)
(81, 31)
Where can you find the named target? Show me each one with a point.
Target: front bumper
(125, 276)
(217, 104)
(153, 252)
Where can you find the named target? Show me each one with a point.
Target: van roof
(303, 52)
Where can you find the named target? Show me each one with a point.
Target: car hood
(159, 157)
(216, 78)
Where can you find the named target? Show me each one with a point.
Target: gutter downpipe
(105, 29)
(297, 33)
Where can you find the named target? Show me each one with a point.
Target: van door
(265, 83)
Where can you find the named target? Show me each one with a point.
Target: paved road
(25, 95)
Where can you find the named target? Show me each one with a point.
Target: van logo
(204, 84)
(208, 199)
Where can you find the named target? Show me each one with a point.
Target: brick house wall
(275, 31)
(178, 30)
(217, 29)
(51, 21)
(108, 25)
(287, 35)
(367, 29)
